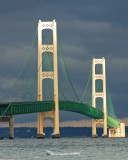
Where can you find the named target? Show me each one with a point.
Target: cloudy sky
(87, 29)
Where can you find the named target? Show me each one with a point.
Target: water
(64, 149)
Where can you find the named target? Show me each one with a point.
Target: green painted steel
(17, 108)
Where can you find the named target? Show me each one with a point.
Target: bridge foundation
(11, 128)
(117, 132)
(11, 125)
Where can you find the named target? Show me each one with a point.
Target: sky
(87, 29)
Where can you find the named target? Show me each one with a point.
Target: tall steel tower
(48, 75)
(101, 94)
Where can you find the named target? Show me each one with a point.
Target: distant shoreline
(27, 132)
(49, 123)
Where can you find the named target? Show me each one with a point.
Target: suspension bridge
(44, 78)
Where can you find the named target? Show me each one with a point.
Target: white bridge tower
(113, 132)
(48, 75)
(101, 94)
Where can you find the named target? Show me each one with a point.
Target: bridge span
(17, 108)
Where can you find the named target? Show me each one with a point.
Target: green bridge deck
(16, 108)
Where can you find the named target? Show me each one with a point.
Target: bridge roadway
(17, 108)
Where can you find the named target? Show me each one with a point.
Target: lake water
(65, 149)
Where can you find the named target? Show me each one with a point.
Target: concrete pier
(54, 135)
(117, 132)
(40, 136)
(11, 128)
(11, 125)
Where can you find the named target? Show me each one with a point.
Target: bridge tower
(96, 95)
(48, 75)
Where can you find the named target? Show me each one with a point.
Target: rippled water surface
(65, 149)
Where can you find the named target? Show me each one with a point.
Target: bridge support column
(11, 128)
(94, 134)
(101, 94)
(44, 48)
(40, 133)
(56, 133)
